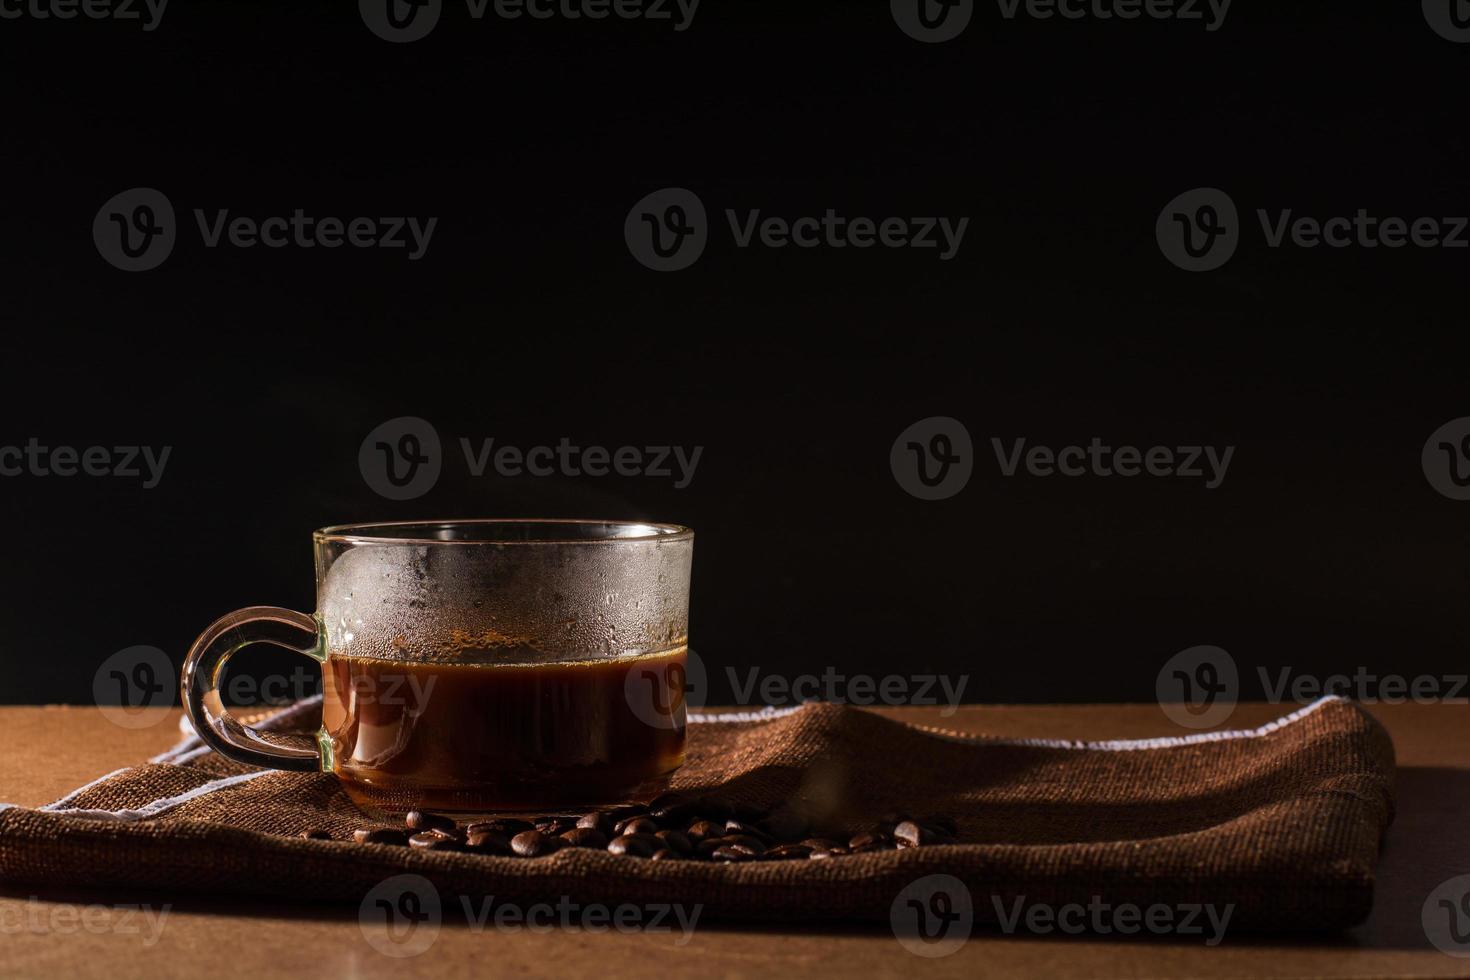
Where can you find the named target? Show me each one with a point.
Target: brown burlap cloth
(1283, 822)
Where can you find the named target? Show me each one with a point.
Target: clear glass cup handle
(199, 685)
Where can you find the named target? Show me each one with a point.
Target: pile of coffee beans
(673, 827)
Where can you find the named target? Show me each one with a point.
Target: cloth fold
(1283, 822)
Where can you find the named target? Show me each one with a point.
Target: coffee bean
(820, 843)
(424, 820)
(489, 842)
(509, 826)
(382, 835)
(672, 808)
(787, 852)
(869, 840)
(533, 843)
(597, 821)
(830, 852)
(709, 845)
(664, 854)
(431, 841)
(704, 829)
(753, 844)
(635, 845)
(457, 835)
(675, 841)
(748, 829)
(911, 834)
(555, 826)
(315, 835)
(637, 825)
(731, 853)
(914, 834)
(585, 837)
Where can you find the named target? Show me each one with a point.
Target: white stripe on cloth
(155, 807)
(1136, 744)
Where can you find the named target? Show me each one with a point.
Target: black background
(1325, 549)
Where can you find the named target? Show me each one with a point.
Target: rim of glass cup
(421, 532)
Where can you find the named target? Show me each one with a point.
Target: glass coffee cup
(477, 666)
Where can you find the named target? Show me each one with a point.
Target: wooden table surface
(49, 751)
